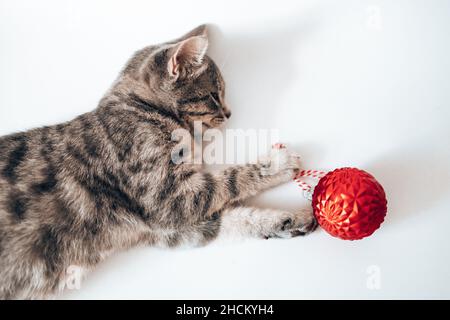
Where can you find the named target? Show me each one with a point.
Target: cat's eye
(215, 97)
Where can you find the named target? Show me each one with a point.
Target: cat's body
(71, 194)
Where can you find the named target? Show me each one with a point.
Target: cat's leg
(238, 222)
(192, 202)
(245, 222)
(204, 193)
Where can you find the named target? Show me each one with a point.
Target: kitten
(73, 193)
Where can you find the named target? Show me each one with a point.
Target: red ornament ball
(349, 203)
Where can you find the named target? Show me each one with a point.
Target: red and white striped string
(307, 188)
(308, 173)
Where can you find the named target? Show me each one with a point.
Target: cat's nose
(227, 114)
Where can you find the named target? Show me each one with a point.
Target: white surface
(343, 90)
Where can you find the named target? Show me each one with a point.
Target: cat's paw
(293, 225)
(280, 160)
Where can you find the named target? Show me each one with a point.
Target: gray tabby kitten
(72, 194)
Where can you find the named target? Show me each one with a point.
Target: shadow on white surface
(258, 69)
(414, 178)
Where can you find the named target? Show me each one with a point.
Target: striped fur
(71, 194)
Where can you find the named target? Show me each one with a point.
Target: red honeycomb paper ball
(349, 203)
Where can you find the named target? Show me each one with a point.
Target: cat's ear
(186, 54)
(200, 31)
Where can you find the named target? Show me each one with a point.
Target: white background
(347, 83)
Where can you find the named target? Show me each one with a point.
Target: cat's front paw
(292, 225)
(280, 160)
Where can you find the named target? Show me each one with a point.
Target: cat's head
(179, 74)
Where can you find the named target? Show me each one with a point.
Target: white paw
(280, 160)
